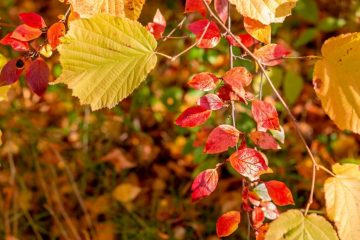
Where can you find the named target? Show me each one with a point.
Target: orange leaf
(26, 33)
(227, 223)
(279, 193)
(55, 32)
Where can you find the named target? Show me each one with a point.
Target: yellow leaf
(120, 8)
(105, 58)
(126, 192)
(293, 225)
(265, 11)
(336, 80)
(4, 89)
(342, 194)
(258, 30)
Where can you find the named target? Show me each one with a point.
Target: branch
(263, 70)
(187, 49)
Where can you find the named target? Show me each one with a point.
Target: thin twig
(188, 48)
(173, 31)
(77, 192)
(57, 221)
(61, 207)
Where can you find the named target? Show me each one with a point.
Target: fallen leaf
(126, 192)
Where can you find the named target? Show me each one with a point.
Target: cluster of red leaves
(259, 198)
(248, 162)
(23, 39)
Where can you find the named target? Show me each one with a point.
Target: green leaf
(293, 85)
(294, 225)
(105, 58)
(306, 37)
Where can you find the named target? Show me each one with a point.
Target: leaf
(204, 184)
(279, 193)
(249, 163)
(204, 81)
(196, 6)
(26, 33)
(54, 33)
(105, 58)
(342, 195)
(14, 43)
(258, 30)
(132, 8)
(271, 54)
(270, 210)
(222, 9)
(120, 8)
(212, 34)
(257, 217)
(126, 192)
(211, 102)
(37, 76)
(4, 93)
(228, 223)
(293, 86)
(264, 140)
(193, 116)
(10, 72)
(157, 27)
(293, 225)
(336, 82)
(238, 78)
(265, 11)
(265, 115)
(221, 138)
(226, 93)
(33, 20)
(244, 38)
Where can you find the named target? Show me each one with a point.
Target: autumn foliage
(244, 120)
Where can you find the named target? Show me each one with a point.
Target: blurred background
(126, 173)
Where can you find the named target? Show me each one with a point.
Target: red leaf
(271, 54)
(37, 76)
(221, 138)
(264, 140)
(196, 6)
(244, 38)
(55, 32)
(193, 116)
(238, 78)
(249, 163)
(204, 81)
(265, 115)
(204, 184)
(279, 193)
(14, 43)
(227, 223)
(11, 72)
(33, 20)
(26, 33)
(222, 9)
(257, 217)
(226, 93)
(212, 35)
(157, 27)
(211, 102)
